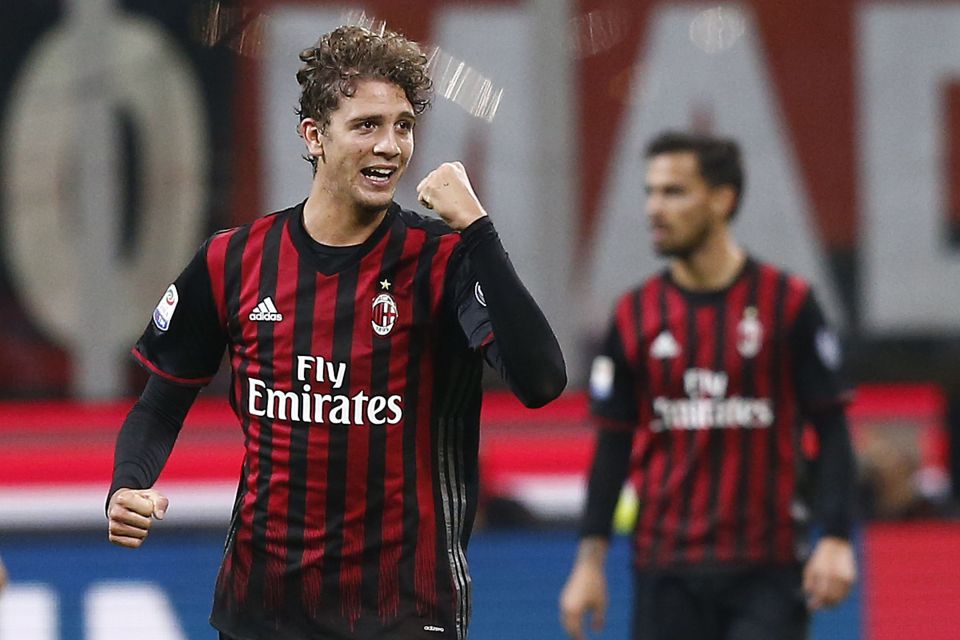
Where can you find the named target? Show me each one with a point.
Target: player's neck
(335, 223)
(711, 267)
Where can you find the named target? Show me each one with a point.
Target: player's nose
(653, 206)
(388, 145)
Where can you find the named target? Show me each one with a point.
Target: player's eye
(367, 125)
(405, 125)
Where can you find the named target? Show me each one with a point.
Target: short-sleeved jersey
(358, 391)
(716, 386)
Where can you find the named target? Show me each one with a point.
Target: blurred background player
(708, 372)
(356, 333)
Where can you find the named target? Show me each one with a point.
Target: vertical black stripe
(716, 438)
(232, 285)
(775, 432)
(377, 458)
(686, 494)
(459, 377)
(644, 400)
(303, 328)
(749, 387)
(665, 436)
(422, 287)
(267, 287)
(457, 388)
(337, 460)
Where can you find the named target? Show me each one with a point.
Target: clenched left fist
(447, 191)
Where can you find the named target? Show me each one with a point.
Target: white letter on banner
(909, 272)
(29, 611)
(673, 80)
(130, 610)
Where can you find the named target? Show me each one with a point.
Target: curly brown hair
(350, 53)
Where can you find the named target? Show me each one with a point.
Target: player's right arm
(613, 403)
(181, 347)
(143, 446)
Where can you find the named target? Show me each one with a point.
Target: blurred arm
(832, 569)
(586, 589)
(837, 481)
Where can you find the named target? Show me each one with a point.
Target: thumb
(160, 502)
(160, 507)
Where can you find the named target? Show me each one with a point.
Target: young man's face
(680, 204)
(367, 145)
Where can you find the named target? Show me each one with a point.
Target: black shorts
(691, 604)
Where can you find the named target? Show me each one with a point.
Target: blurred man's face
(678, 204)
(367, 145)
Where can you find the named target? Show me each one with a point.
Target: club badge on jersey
(385, 314)
(163, 314)
(749, 333)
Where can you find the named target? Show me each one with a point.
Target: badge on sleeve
(478, 294)
(828, 348)
(601, 377)
(163, 314)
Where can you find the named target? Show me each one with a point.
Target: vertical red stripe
(246, 354)
(706, 327)
(216, 259)
(285, 300)
(318, 451)
(653, 462)
(426, 553)
(759, 478)
(627, 326)
(726, 535)
(358, 436)
(673, 486)
(392, 524)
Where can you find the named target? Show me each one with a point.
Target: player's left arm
(524, 349)
(831, 570)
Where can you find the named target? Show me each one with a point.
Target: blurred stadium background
(131, 129)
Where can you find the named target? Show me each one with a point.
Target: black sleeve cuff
(479, 231)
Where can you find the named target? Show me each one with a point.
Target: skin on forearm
(592, 550)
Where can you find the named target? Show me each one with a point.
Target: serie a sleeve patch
(163, 314)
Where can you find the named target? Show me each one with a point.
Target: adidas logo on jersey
(266, 312)
(664, 346)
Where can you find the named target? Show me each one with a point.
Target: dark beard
(685, 251)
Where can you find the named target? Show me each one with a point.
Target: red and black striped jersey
(715, 386)
(356, 380)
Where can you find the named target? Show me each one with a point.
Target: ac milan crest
(749, 333)
(384, 314)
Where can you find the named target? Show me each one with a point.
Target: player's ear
(312, 135)
(722, 200)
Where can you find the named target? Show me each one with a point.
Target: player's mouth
(379, 175)
(659, 232)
